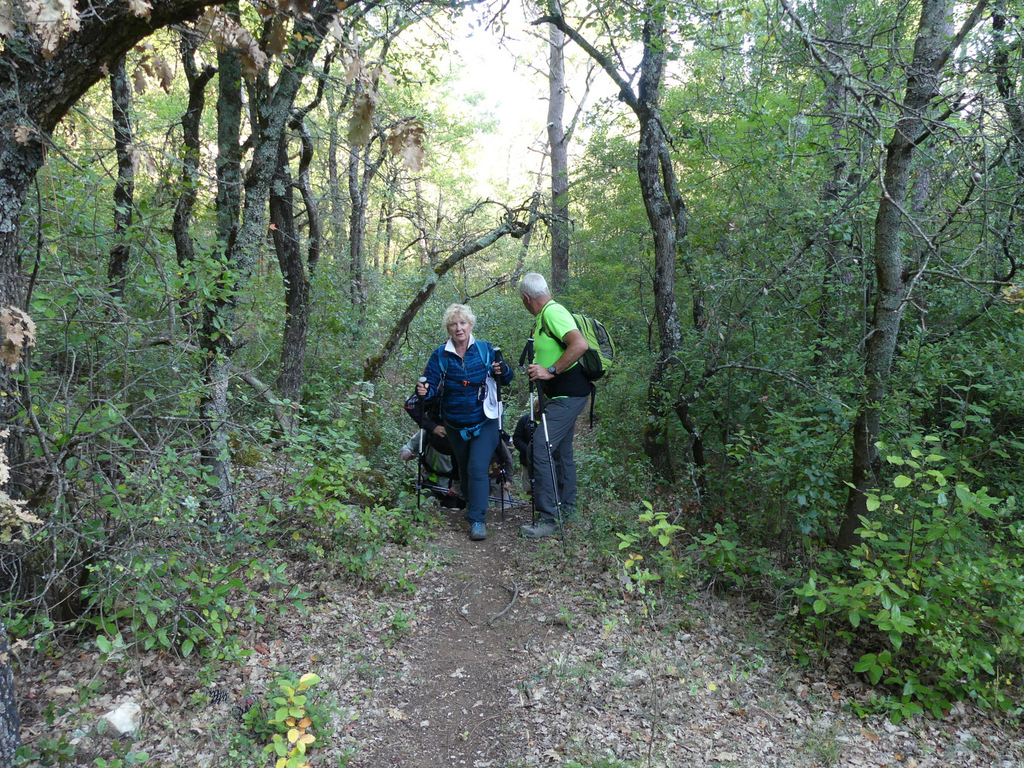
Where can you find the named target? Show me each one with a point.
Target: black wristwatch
(552, 371)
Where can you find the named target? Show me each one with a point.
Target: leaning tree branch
(512, 224)
(264, 391)
(625, 89)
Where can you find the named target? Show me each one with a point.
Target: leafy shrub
(344, 510)
(935, 589)
(171, 603)
(795, 467)
(291, 720)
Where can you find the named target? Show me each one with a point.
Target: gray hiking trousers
(560, 414)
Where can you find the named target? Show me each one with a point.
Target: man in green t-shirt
(557, 346)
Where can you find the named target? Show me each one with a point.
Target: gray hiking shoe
(540, 530)
(477, 532)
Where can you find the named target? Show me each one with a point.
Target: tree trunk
(832, 191)
(356, 230)
(124, 189)
(287, 244)
(666, 213)
(559, 148)
(190, 150)
(654, 188)
(218, 314)
(932, 50)
(10, 725)
(338, 231)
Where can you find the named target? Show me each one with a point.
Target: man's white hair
(533, 285)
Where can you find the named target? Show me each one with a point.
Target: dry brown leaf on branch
(406, 141)
(278, 37)
(353, 65)
(22, 134)
(140, 8)
(364, 107)
(226, 33)
(139, 80)
(164, 73)
(19, 335)
(6, 18)
(49, 20)
(298, 7)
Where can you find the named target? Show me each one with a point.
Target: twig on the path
(766, 713)
(465, 614)
(515, 594)
(477, 726)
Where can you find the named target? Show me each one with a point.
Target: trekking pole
(524, 358)
(551, 455)
(533, 489)
(419, 460)
(501, 429)
(554, 479)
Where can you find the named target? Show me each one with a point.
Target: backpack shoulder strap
(442, 362)
(544, 327)
(486, 355)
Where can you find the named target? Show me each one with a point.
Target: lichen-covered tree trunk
(666, 214)
(190, 149)
(124, 188)
(10, 724)
(836, 99)
(932, 50)
(356, 229)
(218, 313)
(294, 268)
(337, 213)
(558, 146)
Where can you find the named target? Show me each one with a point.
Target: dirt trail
(462, 668)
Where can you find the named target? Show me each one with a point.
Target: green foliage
(342, 514)
(46, 752)
(934, 588)
(292, 720)
(793, 463)
(177, 603)
(657, 539)
(60, 752)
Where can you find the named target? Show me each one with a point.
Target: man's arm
(575, 346)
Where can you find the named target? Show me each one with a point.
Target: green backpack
(601, 356)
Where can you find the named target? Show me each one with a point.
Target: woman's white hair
(459, 310)
(533, 285)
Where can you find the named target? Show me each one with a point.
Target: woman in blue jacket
(465, 374)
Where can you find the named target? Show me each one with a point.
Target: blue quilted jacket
(462, 396)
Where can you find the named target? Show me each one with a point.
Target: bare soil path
(452, 702)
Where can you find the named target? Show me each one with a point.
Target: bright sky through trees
(514, 92)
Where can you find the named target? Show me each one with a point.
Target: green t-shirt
(558, 322)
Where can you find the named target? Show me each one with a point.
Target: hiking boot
(477, 532)
(540, 530)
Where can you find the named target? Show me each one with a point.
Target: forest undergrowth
(342, 624)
